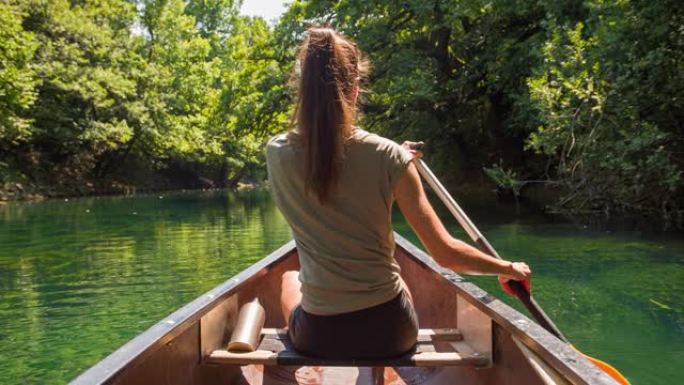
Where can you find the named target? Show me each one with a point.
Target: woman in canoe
(335, 185)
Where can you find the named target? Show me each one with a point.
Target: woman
(335, 184)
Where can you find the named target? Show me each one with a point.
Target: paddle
(516, 286)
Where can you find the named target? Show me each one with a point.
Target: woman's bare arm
(445, 249)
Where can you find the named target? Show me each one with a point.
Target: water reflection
(79, 278)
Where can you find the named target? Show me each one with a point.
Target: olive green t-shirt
(346, 245)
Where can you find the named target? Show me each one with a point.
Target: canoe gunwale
(177, 322)
(566, 360)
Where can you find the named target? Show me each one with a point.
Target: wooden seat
(436, 347)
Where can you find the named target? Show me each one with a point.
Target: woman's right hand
(518, 271)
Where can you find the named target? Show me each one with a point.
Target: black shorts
(385, 330)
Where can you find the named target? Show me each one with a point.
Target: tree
(17, 79)
(581, 94)
(607, 109)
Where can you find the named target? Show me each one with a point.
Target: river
(80, 277)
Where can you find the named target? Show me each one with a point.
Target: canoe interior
(172, 351)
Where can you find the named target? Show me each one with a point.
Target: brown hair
(330, 68)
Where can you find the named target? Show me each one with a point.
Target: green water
(79, 278)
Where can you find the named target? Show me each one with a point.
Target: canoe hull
(174, 350)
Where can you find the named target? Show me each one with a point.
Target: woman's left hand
(415, 148)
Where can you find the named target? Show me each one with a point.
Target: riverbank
(131, 178)
(18, 193)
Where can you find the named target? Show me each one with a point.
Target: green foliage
(607, 108)
(83, 63)
(504, 178)
(254, 98)
(94, 91)
(443, 71)
(17, 78)
(583, 94)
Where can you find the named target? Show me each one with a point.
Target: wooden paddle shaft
(521, 292)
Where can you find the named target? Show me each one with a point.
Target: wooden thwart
(436, 347)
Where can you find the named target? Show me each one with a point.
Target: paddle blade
(606, 368)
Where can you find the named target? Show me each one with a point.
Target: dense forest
(580, 97)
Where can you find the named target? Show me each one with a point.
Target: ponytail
(329, 73)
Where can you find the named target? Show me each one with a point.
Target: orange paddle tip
(606, 368)
(609, 370)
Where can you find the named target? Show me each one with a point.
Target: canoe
(467, 337)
